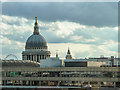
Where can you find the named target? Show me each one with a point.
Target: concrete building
(51, 62)
(29, 73)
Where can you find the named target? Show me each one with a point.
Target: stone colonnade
(34, 57)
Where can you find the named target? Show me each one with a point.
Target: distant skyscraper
(36, 46)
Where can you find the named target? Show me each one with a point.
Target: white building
(51, 62)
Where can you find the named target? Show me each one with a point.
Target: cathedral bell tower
(68, 56)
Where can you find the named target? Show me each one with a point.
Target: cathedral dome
(36, 41)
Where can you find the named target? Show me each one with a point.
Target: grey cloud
(102, 35)
(18, 37)
(51, 37)
(94, 13)
(11, 49)
(89, 35)
(6, 51)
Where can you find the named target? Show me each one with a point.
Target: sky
(89, 29)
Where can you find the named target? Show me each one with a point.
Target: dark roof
(19, 63)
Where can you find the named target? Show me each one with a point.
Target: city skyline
(78, 26)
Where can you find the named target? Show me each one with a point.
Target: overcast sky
(88, 29)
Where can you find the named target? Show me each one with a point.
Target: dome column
(30, 57)
(38, 58)
(42, 56)
(35, 57)
(25, 57)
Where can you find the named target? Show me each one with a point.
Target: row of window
(38, 48)
(61, 74)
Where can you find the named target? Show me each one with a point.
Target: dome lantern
(68, 51)
(36, 28)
